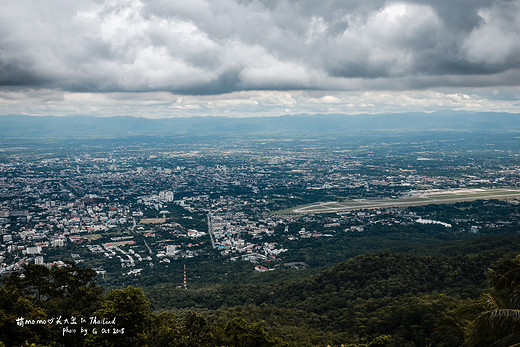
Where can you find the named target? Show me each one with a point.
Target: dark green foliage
(385, 299)
(395, 294)
(404, 296)
(191, 330)
(195, 331)
(40, 293)
(13, 305)
(240, 333)
(131, 311)
(165, 331)
(381, 341)
(498, 323)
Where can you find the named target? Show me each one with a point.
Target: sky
(239, 58)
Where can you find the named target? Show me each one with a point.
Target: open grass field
(413, 199)
(93, 237)
(153, 220)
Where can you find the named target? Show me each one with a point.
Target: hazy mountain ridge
(85, 126)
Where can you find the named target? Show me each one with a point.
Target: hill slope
(78, 126)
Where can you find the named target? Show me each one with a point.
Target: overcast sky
(162, 58)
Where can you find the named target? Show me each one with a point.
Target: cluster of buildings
(135, 209)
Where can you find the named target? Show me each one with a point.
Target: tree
(240, 333)
(73, 291)
(166, 330)
(38, 293)
(192, 330)
(499, 322)
(36, 280)
(196, 331)
(130, 310)
(14, 305)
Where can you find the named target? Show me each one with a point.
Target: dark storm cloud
(212, 47)
(16, 74)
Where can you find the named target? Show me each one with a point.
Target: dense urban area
(186, 213)
(129, 209)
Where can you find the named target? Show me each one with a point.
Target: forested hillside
(383, 299)
(401, 295)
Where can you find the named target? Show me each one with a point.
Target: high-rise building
(38, 260)
(166, 196)
(58, 243)
(33, 250)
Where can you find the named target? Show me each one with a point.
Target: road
(142, 237)
(210, 231)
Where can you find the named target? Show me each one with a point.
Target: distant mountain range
(83, 126)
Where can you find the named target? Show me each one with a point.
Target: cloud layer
(209, 47)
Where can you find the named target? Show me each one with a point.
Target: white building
(38, 260)
(33, 250)
(171, 250)
(58, 243)
(166, 196)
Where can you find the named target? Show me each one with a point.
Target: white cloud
(210, 52)
(386, 43)
(273, 73)
(255, 103)
(497, 39)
